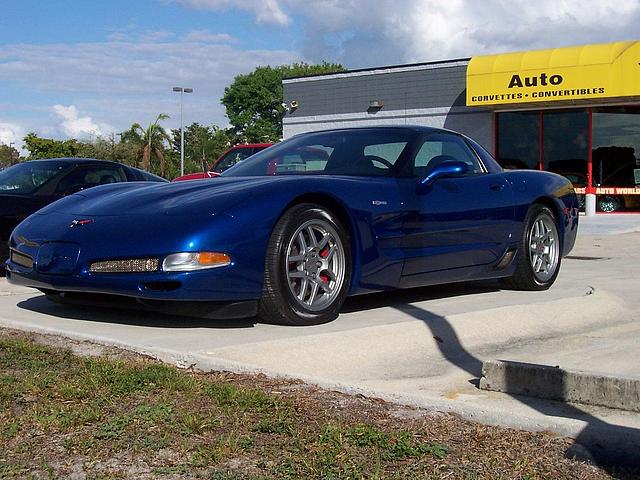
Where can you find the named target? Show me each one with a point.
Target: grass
(131, 417)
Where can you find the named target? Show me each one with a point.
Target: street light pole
(11, 144)
(182, 90)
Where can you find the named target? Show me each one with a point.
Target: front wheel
(539, 255)
(307, 268)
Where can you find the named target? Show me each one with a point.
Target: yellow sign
(590, 72)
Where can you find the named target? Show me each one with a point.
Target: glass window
(360, 152)
(231, 158)
(565, 142)
(519, 140)
(440, 148)
(25, 178)
(87, 177)
(312, 158)
(616, 147)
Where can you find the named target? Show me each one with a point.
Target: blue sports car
(291, 232)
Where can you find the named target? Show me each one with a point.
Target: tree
(202, 145)
(8, 155)
(49, 148)
(151, 142)
(254, 101)
(109, 149)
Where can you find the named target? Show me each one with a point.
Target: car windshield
(364, 152)
(25, 178)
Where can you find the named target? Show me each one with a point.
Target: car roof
(76, 160)
(410, 128)
(251, 145)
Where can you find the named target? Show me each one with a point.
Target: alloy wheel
(315, 265)
(544, 247)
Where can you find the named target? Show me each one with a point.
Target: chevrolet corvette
(288, 234)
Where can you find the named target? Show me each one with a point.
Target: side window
(82, 178)
(384, 155)
(310, 159)
(442, 147)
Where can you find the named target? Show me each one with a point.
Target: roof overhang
(589, 74)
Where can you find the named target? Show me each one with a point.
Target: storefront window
(564, 147)
(616, 158)
(565, 144)
(518, 145)
(518, 140)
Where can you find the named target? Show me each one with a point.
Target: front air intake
(131, 265)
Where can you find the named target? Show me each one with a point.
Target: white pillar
(590, 204)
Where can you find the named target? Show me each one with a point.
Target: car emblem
(79, 223)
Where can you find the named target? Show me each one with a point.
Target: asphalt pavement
(423, 347)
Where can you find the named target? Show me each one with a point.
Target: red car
(226, 160)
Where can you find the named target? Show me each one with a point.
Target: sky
(83, 69)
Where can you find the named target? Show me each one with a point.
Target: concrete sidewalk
(609, 224)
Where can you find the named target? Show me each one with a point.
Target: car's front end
(169, 256)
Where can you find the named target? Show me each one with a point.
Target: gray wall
(428, 94)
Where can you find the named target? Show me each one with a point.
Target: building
(574, 110)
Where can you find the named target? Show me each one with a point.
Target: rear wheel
(307, 268)
(539, 255)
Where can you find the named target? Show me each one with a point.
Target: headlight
(187, 261)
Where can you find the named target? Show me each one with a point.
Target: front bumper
(61, 257)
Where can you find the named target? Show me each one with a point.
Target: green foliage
(254, 101)
(202, 145)
(150, 143)
(49, 148)
(8, 155)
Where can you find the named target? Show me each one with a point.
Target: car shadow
(392, 298)
(607, 445)
(128, 316)
(125, 315)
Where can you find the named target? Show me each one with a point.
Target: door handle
(497, 187)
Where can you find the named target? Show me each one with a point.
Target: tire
(539, 256)
(307, 268)
(609, 203)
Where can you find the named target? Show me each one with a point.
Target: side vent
(506, 259)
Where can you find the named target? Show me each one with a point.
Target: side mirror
(450, 169)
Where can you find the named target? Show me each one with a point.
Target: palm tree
(151, 140)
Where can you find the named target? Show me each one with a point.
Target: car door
(457, 222)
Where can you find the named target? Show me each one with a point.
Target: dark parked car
(29, 186)
(289, 233)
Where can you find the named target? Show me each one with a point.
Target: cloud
(360, 33)
(121, 82)
(11, 133)
(205, 36)
(75, 126)
(265, 11)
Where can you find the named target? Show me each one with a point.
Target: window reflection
(518, 135)
(565, 143)
(616, 156)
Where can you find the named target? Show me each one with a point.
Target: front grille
(131, 265)
(21, 259)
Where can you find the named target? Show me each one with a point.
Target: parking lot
(424, 346)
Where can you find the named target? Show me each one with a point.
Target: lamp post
(182, 90)
(11, 144)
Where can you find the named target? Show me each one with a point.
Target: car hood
(144, 198)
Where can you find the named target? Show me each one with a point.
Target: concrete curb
(555, 383)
